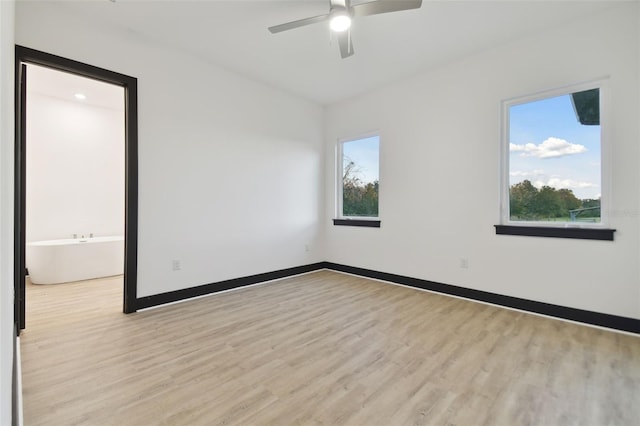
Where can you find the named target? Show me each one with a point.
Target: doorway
(25, 56)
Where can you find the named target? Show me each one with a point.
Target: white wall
(230, 170)
(6, 208)
(440, 171)
(75, 168)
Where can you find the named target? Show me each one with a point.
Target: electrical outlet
(175, 265)
(464, 263)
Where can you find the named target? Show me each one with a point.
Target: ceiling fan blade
(298, 23)
(346, 46)
(384, 6)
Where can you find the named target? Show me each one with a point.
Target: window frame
(530, 228)
(339, 218)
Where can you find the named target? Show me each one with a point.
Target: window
(552, 159)
(358, 181)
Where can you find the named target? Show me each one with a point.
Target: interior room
(75, 174)
(446, 303)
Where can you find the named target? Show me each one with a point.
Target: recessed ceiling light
(80, 96)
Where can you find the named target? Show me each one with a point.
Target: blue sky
(366, 154)
(549, 146)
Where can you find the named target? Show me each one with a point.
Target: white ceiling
(388, 47)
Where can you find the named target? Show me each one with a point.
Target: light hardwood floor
(322, 348)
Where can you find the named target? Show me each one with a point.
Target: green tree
(522, 197)
(568, 200)
(548, 203)
(358, 198)
(370, 199)
(529, 203)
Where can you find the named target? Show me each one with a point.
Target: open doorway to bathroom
(75, 178)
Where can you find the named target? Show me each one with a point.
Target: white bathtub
(61, 261)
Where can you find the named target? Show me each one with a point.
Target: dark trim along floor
(631, 325)
(187, 293)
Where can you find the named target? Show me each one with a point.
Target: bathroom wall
(75, 161)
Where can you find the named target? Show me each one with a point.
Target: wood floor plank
(317, 349)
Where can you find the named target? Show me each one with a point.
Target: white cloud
(550, 148)
(555, 182)
(523, 174)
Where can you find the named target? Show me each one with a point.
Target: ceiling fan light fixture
(342, 12)
(340, 21)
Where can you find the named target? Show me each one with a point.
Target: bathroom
(75, 177)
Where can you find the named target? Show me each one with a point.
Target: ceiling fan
(341, 12)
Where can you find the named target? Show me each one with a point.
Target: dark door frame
(130, 84)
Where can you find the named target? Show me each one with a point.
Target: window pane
(360, 177)
(555, 159)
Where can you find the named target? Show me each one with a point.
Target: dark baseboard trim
(188, 293)
(552, 232)
(630, 325)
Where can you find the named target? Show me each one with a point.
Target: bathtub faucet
(91, 235)
(75, 236)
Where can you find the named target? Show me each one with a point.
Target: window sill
(603, 234)
(369, 223)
